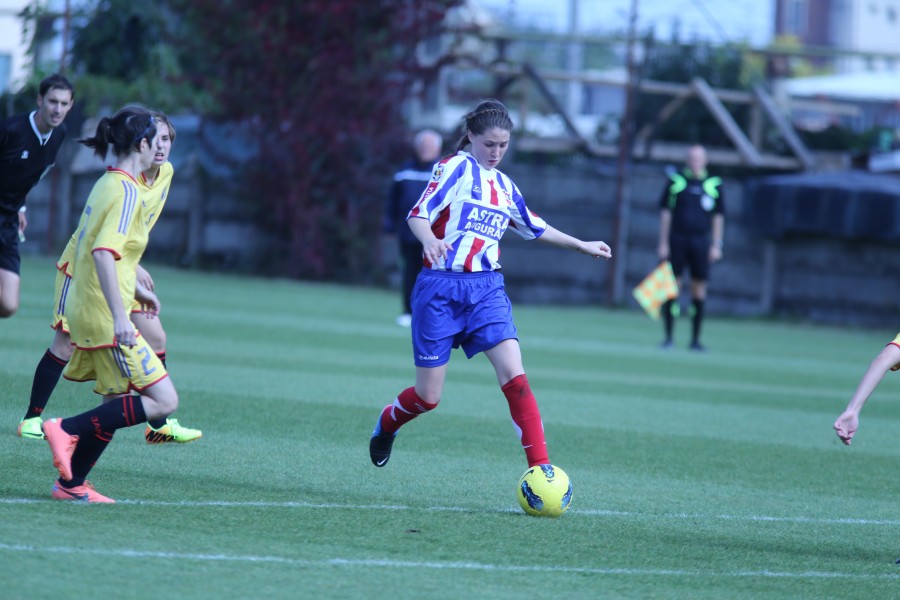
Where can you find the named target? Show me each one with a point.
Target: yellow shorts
(117, 369)
(60, 294)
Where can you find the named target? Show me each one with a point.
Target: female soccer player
(888, 359)
(154, 187)
(459, 298)
(110, 240)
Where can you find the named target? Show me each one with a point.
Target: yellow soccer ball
(544, 491)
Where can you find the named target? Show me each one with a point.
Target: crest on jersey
(707, 203)
(438, 171)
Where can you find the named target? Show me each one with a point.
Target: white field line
(463, 566)
(575, 512)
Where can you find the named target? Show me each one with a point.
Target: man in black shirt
(409, 183)
(28, 147)
(692, 221)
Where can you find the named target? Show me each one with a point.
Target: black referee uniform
(25, 157)
(693, 201)
(406, 189)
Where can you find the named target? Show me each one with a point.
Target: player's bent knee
(61, 347)
(63, 353)
(163, 397)
(431, 399)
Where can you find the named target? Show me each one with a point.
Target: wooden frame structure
(746, 145)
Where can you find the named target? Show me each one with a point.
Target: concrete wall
(815, 278)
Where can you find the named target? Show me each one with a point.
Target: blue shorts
(450, 310)
(9, 242)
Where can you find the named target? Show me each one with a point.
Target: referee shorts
(691, 251)
(9, 242)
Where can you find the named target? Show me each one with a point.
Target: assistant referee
(691, 224)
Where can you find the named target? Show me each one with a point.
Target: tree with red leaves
(319, 84)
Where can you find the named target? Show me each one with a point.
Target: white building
(13, 59)
(865, 31)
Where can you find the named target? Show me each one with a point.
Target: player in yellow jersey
(111, 237)
(155, 183)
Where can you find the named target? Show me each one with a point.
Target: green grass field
(695, 476)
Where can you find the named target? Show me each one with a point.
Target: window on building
(796, 17)
(5, 71)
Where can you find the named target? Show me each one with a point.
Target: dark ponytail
(123, 131)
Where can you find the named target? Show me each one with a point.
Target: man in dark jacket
(28, 146)
(407, 187)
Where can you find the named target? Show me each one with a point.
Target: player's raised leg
(408, 405)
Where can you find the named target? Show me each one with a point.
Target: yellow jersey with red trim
(153, 198)
(113, 220)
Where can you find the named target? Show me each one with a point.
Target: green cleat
(171, 432)
(31, 429)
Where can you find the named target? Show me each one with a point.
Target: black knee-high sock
(86, 455)
(120, 412)
(157, 423)
(697, 320)
(46, 376)
(668, 318)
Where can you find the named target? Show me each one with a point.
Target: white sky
(718, 21)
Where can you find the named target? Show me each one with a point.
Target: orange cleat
(80, 493)
(62, 445)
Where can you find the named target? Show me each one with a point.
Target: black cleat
(380, 445)
(380, 448)
(697, 347)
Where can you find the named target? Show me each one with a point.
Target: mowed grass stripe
(574, 512)
(464, 566)
(718, 464)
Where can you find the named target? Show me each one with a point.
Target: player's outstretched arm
(848, 422)
(557, 238)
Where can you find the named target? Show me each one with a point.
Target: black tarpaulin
(847, 204)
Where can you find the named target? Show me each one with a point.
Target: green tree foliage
(317, 87)
(117, 53)
(721, 66)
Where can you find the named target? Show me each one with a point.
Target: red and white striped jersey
(470, 208)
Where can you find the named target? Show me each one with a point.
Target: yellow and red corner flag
(656, 289)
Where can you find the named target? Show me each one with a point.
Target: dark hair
(488, 114)
(55, 82)
(161, 117)
(123, 131)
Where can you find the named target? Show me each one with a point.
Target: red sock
(526, 419)
(405, 408)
